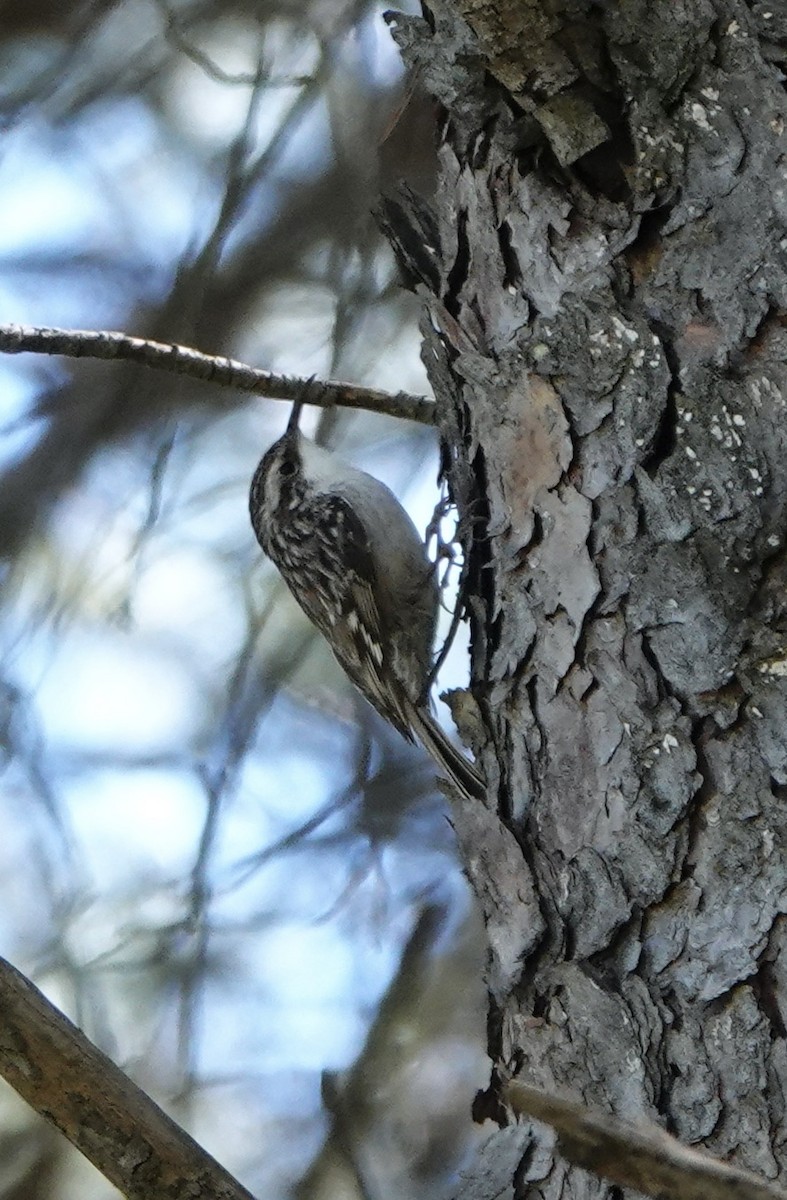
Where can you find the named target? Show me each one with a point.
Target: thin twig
(637, 1155)
(226, 372)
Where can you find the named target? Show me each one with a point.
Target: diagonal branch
(637, 1155)
(226, 372)
(54, 1067)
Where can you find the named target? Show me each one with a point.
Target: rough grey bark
(606, 268)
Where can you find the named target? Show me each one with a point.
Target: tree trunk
(606, 268)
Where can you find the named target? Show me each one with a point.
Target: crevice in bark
(647, 248)
(569, 942)
(724, 698)
(479, 154)
(537, 532)
(769, 565)
(758, 342)
(601, 173)
(481, 576)
(457, 276)
(666, 436)
(478, 313)
(531, 687)
(513, 273)
(606, 967)
(700, 735)
(675, 1008)
(486, 1105)
(766, 985)
(409, 223)
(778, 790)
(649, 654)
(519, 1181)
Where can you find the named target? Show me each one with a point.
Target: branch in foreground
(226, 372)
(640, 1156)
(121, 1130)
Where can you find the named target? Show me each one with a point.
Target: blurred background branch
(213, 856)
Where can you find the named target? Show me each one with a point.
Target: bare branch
(352, 1107)
(226, 372)
(54, 1067)
(640, 1156)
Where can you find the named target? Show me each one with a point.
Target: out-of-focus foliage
(212, 855)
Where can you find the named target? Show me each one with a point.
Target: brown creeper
(353, 560)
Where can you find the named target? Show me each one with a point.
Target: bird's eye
(287, 468)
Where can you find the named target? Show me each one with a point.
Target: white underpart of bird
(355, 563)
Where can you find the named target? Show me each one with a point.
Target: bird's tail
(449, 758)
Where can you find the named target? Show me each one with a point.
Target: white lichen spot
(732, 29)
(709, 93)
(627, 728)
(758, 491)
(755, 712)
(774, 666)
(670, 743)
(774, 539)
(625, 331)
(639, 443)
(738, 420)
(755, 474)
(690, 453)
(688, 416)
(672, 602)
(707, 491)
(699, 114)
(716, 432)
(691, 490)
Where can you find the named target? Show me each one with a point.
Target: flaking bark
(606, 282)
